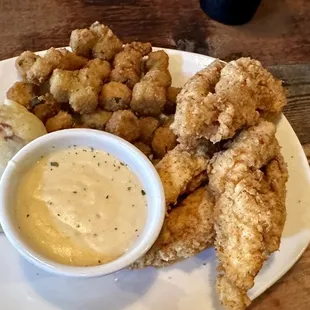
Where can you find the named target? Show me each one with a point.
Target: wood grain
(278, 35)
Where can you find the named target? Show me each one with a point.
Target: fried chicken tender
(163, 141)
(149, 95)
(148, 126)
(243, 90)
(176, 170)
(115, 96)
(187, 231)
(62, 120)
(22, 93)
(188, 115)
(45, 107)
(171, 103)
(96, 120)
(124, 124)
(127, 63)
(98, 41)
(248, 181)
(81, 87)
(37, 70)
(144, 148)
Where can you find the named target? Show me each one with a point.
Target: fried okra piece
(114, 96)
(62, 120)
(81, 87)
(164, 140)
(37, 70)
(149, 95)
(22, 93)
(171, 103)
(148, 125)
(144, 148)
(45, 107)
(127, 63)
(124, 124)
(96, 120)
(98, 41)
(143, 48)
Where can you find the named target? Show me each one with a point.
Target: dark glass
(230, 12)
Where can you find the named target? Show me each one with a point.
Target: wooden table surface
(279, 36)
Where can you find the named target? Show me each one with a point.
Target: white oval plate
(186, 285)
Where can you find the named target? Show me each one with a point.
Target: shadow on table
(271, 18)
(111, 292)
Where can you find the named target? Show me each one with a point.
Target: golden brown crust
(62, 120)
(176, 170)
(144, 148)
(243, 89)
(149, 95)
(163, 141)
(125, 125)
(187, 230)
(171, 103)
(45, 107)
(81, 88)
(98, 41)
(127, 63)
(114, 96)
(96, 120)
(148, 126)
(37, 70)
(248, 180)
(22, 93)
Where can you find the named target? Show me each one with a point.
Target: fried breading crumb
(125, 125)
(62, 120)
(114, 96)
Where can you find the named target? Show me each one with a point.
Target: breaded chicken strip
(188, 117)
(149, 95)
(127, 63)
(187, 230)
(37, 70)
(98, 41)
(248, 181)
(177, 169)
(81, 87)
(245, 89)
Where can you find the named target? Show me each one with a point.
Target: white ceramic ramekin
(116, 146)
